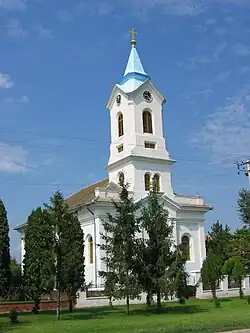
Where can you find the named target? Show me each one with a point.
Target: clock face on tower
(147, 96)
(118, 99)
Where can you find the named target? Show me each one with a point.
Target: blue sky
(58, 63)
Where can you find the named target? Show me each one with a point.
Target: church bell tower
(138, 150)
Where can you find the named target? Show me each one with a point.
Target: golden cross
(133, 33)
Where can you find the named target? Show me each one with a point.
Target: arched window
(147, 181)
(156, 182)
(121, 178)
(147, 122)
(91, 250)
(120, 124)
(185, 242)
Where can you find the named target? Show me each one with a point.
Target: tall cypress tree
(159, 256)
(69, 248)
(72, 249)
(119, 244)
(5, 272)
(39, 260)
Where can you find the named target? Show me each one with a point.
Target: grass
(196, 316)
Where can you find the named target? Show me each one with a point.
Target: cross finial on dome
(133, 33)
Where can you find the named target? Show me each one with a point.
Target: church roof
(134, 75)
(134, 64)
(85, 195)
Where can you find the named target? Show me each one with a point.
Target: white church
(138, 154)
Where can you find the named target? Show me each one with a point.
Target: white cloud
(219, 50)
(43, 33)
(244, 70)
(13, 4)
(241, 49)
(225, 135)
(223, 76)
(5, 81)
(193, 62)
(65, 16)
(184, 7)
(13, 101)
(13, 159)
(104, 8)
(15, 30)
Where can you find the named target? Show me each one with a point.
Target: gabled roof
(85, 195)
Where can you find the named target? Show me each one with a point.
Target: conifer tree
(5, 273)
(212, 272)
(68, 249)
(234, 267)
(39, 260)
(155, 221)
(244, 207)
(119, 244)
(177, 276)
(72, 268)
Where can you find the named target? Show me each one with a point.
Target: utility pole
(245, 168)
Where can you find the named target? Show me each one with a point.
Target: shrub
(13, 316)
(248, 299)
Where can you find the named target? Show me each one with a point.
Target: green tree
(219, 240)
(39, 260)
(212, 272)
(68, 249)
(5, 273)
(234, 267)
(240, 246)
(158, 256)
(143, 269)
(119, 244)
(72, 249)
(178, 276)
(244, 207)
(16, 282)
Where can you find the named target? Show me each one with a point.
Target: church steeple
(138, 147)
(134, 75)
(134, 64)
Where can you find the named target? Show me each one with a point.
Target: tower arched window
(121, 178)
(120, 125)
(156, 182)
(91, 250)
(185, 242)
(147, 122)
(147, 181)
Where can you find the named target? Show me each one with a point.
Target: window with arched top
(121, 178)
(91, 250)
(147, 122)
(156, 182)
(120, 124)
(147, 181)
(185, 242)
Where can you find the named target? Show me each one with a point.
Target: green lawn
(195, 316)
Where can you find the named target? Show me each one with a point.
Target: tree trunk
(241, 290)
(214, 293)
(158, 299)
(110, 302)
(70, 304)
(58, 303)
(36, 306)
(127, 297)
(149, 298)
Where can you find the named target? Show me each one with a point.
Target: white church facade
(138, 154)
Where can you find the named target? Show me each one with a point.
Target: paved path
(239, 331)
